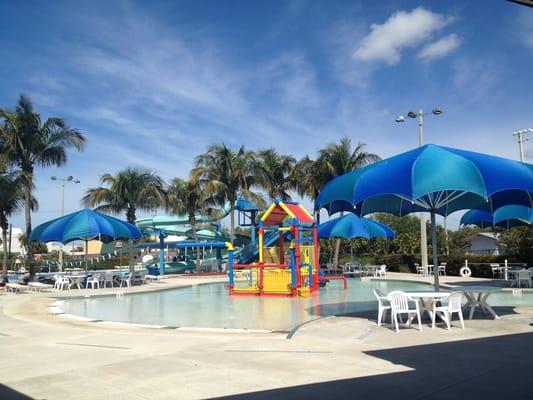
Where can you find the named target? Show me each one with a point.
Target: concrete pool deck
(44, 356)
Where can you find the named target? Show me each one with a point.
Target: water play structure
(288, 269)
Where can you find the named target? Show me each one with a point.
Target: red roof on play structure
(278, 212)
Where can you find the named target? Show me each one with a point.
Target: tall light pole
(63, 181)
(521, 137)
(423, 235)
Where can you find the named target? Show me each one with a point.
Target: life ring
(465, 272)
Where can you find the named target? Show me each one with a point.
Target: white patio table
(75, 280)
(477, 296)
(370, 270)
(426, 300)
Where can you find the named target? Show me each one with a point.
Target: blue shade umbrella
(84, 225)
(351, 226)
(431, 178)
(506, 217)
(483, 219)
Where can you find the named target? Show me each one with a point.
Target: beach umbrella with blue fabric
(434, 179)
(351, 226)
(84, 225)
(505, 217)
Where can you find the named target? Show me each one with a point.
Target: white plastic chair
(442, 269)
(496, 269)
(93, 281)
(383, 305)
(449, 305)
(61, 282)
(381, 270)
(126, 280)
(523, 276)
(108, 279)
(400, 304)
(420, 270)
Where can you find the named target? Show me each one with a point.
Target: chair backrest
(455, 301)
(379, 295)
(398, 300)
(383, 268)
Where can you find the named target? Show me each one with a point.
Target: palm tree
(309, 180)
(226, 174)
(275, 173)
(11, 200)
(188, 197)
(334, 160)
(129, 190)
(29, 142)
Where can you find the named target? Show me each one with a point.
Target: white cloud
(440, 48)
(402, 30)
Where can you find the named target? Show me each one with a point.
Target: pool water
(210, 305)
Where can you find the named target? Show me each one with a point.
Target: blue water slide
(251, 252)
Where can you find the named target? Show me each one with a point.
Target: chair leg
(380, 314)
(395, 321)
(461, 319)
(447, 316)
(419, 320)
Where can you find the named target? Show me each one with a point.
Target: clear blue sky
(153, 83)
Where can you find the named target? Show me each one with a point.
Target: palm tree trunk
(132, 264)
(195, 236)
(4, 250)
(131, 217)
(27, 216)
(232, 226)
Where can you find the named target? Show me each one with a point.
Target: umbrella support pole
(434, 249)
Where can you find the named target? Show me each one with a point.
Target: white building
(484, 243)
(16, 246)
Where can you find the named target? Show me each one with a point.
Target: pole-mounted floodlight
(437, 111)
(420, 115)
(521, 137)
(63, 181)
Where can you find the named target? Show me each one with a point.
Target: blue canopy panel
(430, 178)
(84, 225)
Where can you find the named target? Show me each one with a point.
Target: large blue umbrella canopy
(506, 217)
(351, 226)
(84, 225)
(430, 178)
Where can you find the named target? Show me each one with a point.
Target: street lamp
(420, 115)
(521, 138)
(62, 181)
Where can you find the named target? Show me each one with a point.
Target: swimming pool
(210, 306)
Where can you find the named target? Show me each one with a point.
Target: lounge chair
(15, 288)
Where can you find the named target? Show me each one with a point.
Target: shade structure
(84, 225)
(431, 178)
(351, 226)
(506, 217)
